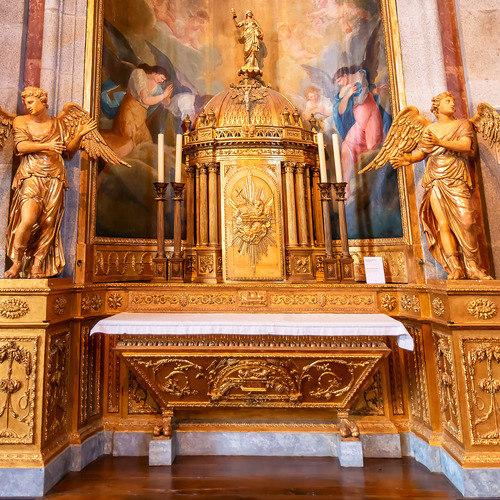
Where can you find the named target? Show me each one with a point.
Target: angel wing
(487, 122)
(403, 137)
(93, 143)
(322, 79)
(6, 120)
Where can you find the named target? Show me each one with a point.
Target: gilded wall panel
(56, 402)
(90, 375)
(18, 366)
(481, 361)
(447, 384)
(417, 378)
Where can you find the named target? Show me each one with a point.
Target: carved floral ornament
(388, 302)
(438, 307)
(13, 308)
(60, 305)
(482, 308)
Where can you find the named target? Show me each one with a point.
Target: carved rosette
(438, 307)
(18, 361)
(448, 396)
(406, 302)
(60, 305)
(13, 308)
(388, 302)
(115, 301)
(481, 358)
(482, 308)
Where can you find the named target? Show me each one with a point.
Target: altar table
(212, 360)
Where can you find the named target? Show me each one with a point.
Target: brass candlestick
(346, 261)
(330, 263)
(177, 260)
(160, 259)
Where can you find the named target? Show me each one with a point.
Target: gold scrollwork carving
(351, 300)
(252, 380)
(13, 308)
(96, 302)
(297, 300)
(156, 299)
(172, 375)
(60, 305)
(115, 301)
(212, 299)
(482, 308)
(438, 307)
(17, 411)
(388, 302)
(447, 385)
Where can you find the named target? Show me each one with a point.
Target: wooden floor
(245, 478)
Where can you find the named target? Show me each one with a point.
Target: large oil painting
(164, 59)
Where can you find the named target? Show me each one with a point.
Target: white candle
(178, 158)
(161, 158)
(322, 163)
(336, 158)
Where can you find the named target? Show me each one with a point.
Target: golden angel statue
(252, 35)
(446, 213)
(33, 234)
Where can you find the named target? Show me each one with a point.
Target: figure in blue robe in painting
(358, 118)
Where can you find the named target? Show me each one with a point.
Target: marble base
(472, 483)
(285, 444)
(36, 481)
(162, 451)
(350, 452)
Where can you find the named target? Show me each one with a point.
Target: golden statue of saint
(33, 234)
(446, 213)
(252, 35)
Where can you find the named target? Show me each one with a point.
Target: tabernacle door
(252, 244)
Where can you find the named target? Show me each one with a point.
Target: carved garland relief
(481, 358)
(18, 361)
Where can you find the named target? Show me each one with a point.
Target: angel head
(159, 73)
(443, 103)
(35, 100)
(341, 76)
(312, 93)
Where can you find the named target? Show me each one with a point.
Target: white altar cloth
(328, 325)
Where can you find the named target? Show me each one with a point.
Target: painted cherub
(33, 234)
(446, 212)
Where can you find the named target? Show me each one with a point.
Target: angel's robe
(447, 177)
(41, 177)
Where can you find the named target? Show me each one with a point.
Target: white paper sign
(374, 270)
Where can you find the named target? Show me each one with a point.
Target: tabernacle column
(213, 230)
(290, 205)
(301, 205)
(203, 238)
